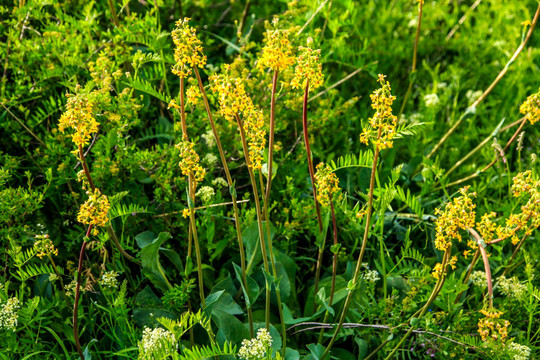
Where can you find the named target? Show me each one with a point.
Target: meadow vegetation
(311, 179)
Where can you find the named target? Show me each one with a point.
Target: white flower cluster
(518, 352)
(512, 287)
(209, 138)
(371, 276)
(210, 159)
(157, 343)
(219, 181)
(70, 288)
(431, 100)
(109, 279)
(479, 278)
(205, 193)
(8, 314)
(255, 349)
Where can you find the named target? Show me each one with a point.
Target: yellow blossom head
(255, 136)
(44, 246)
(190, 162)
(188, 51)
(531, 108)
(277, 51)
(327, 184)
(492, 326)
(383, 123)
(94, 210)
(457, 215)
(79, 116)
(232, 97)
(308, 68)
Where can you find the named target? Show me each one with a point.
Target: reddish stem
(78, 294)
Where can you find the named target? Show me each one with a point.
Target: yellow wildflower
(491, 326)
(185, 213)
(255, 136)
(458, 214)
(173, 104)
(193, 95)
(189, 161)
(189, 51)
(531, 108)
(383, 122)
(486, 227)
(234, 101)
(94, 210)
(309, 68)
(44, 246)
(79, 116)
(277, 52)
(232, 97)
(327, 184)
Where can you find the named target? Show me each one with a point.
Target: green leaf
(253, 289)
(152, 268)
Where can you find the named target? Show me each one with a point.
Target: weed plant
(315, 179)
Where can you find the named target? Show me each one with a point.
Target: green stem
(369, 212)
(273, 264)
(77, 296)
(314, 189)
(232, 191)
(259, 218)
(197, 249)
(432, 297)
(271, 135)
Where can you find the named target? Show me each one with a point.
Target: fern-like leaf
(145, 87)
(208, 352)
(411, 201)
(364, 159)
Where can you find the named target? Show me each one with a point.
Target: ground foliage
(155, 230)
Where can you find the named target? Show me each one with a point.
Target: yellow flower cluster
(193, 95)
(44, 246)
(327, 184)
(492, 326)
(457, 215)
(383, 122)
(524, 184)
(256, 137)
(277, 52)
(94, 210)
(531, 108)
(232, 97)
(80, 117)
(234, 101)
(189, 51)
(309, 68)
(486, 227)
(189, 161)
(438, 269)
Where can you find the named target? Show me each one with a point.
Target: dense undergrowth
(138, 219)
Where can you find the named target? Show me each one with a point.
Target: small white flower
(109, 279)
(220, 182)
(479, 278)
(156, 341)
(206, 193)
(209, 139)
(210, 159)
(431, 100)
(518, 351)
(255, 349)
(8, 314)
(512, 287)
